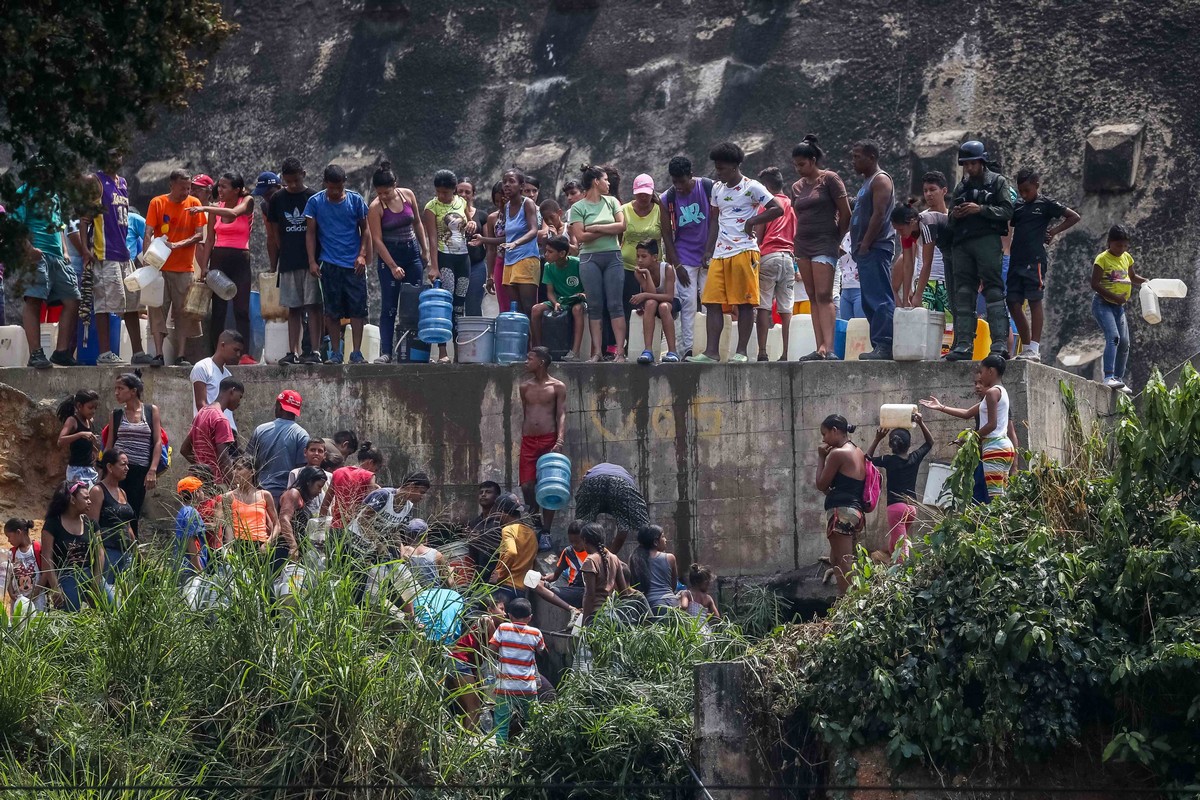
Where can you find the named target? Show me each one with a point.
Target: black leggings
(236, 264)
(134, 487)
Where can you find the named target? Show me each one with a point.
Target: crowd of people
(754, 249)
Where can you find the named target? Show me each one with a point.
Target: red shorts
(533, 448)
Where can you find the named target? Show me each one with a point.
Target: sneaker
(142, 359)
(62, 358)
(310, 358)
(831, 356)
(157, 361)
(544, 542)
(385, 359)
(958, 355)
(38, 360)
(701, 359)
(570, 357)
(1111, 383)
(181, 362)
(1025, 355)
(670, 358)
(876, 355)
(647, 357)
(109, 359)
(815, 355)
(357, 357)
(334, 358)
(247, 361)
(687, 354)
(738, 358)
(291, 359)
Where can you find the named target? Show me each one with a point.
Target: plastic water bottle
(512, 336)
(436, 315)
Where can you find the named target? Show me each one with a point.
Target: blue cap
(265, 180)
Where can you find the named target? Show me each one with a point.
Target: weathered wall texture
(550, 84)
(725, 455)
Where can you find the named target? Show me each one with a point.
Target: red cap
(290, 401)
(202, 180)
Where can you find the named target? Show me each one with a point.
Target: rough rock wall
(549, 84)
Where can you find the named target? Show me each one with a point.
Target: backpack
(872, 486)
(164, 461)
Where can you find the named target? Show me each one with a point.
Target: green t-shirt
(563, 280)
(43, 220)
(602, 212)
(639, 229)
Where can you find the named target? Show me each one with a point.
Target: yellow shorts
(524, 271)
(733, 281)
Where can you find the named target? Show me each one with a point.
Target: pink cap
(643, 184)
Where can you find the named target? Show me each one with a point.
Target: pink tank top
(234, 233)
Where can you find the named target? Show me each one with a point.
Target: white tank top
(1001, 430)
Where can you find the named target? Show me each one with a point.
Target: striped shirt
(517, 645)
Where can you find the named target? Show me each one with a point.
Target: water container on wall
(436, 324)
(512, 336)
(558, 332)
(553, 481)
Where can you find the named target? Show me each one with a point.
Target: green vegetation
(1071, 604)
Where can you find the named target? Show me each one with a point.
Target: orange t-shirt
(173, 219)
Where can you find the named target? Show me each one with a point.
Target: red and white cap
(290, 401)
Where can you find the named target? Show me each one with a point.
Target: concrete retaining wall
(725, 455)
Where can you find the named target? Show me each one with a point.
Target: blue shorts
(54, 281)
(345, 292)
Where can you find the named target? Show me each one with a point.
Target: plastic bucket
(459, 562)
(934, 481)
(221, 284)
(474, 342)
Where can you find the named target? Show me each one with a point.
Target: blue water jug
(553, 481)
(258, 326)
(89, 351)
(436, 325)
(839, 337)
(512, 336)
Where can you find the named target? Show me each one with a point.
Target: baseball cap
(290, 401)
(417, 526)
(265, 181)
(509, 504)
(189, 484)
(202, 180)
(643, 184)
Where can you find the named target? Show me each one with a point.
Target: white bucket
(474, 342)
(157, 253)
(934, 481)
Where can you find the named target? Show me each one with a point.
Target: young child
(1113, 280)
(850, 294)
(552, 220)
(77, 413)
(932, 291)
(1031, 232)
(695, 599)
(570, 561)
(24, 569)
(997, 433)
(516, 643)
(564, 290)
(655, 300)
(190, 541)
(901, 467)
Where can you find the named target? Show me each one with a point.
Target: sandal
(646, 357)
(445, 360)
(815, 355)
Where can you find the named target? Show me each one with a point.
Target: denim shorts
(345, 292)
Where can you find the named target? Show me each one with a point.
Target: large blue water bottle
(553, 481)
(436, 317)
(512, 336)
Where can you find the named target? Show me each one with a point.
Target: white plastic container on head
(896, 415)
(1172, 288)
(858, 338)
(370, 342)
(157, 253)
(917, 334)
(1151, 312)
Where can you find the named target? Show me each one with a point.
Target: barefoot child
(996, 432)
(695, 599)
(655, 300)
(1113, 280)
(564, 290)
(901, 467)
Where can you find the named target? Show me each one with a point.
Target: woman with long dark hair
(841, 476)
(77, 414)
(137, 427)
(229, 225)
(822, 219)
(602, 574)
(394, 221)
(655, 572)
(69, 547)
(297, 506)
(596, 222)
(112, 514)
(448, 229)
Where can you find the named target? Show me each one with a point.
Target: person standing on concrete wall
(777, 273)
(447, 228)
(287, 255)
(687, 204)
(873, 242)
(400, 245)
(933, 290)
(337, 232)
(980, 210)
(543, 426)
(822, 220)
(168, 216)
(477, 253)
(53, 282)
(731, 253)
(229, 224)
(596, 222)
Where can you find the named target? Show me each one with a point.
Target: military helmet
(972, 151)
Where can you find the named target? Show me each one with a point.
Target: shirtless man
(544, 412)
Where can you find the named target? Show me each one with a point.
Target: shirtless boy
(544, 426)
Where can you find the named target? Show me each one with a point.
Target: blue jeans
(72, 582)
(476, 288)
(116, 562)
(407, 256)
(1116, 336)
(850, 305)
(878, 302)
